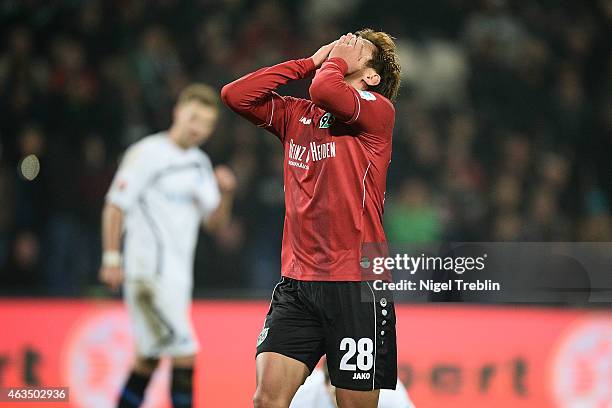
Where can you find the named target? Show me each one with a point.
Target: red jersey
(337, 152)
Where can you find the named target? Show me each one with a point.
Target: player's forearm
(112, 226)
(330, 92)
(223, 214)
(245, 93)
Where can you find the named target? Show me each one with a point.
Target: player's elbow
(112, 210)
(228, 94)
(231, 96)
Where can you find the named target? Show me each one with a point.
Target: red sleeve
(371, 112)
(253, 96)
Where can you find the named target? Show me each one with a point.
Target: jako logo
(305, 120)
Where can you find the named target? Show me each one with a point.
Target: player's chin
(196, 139)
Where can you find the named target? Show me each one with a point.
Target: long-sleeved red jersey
(337, 152)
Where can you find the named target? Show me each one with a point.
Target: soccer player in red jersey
(337, 152)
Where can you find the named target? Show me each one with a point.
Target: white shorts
(160, 316)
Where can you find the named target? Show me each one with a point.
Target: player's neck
(358, 84)
(173, 135)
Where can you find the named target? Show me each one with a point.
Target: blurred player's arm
(253, 96)
(111, 273)
(222, 215)
(135, 172)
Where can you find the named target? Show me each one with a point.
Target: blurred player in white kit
(317, 392)
(164, 189)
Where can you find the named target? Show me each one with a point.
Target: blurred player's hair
(201, 93)
(384, 61)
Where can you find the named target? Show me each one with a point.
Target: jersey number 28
(363, 348)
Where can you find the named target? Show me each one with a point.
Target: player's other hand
(350, 48)
(111, 276)
(322, 53)
(225, 179)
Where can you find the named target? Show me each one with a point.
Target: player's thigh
(356, 399)
(160, 317)
(361, 344)
(148, 329)
(289, 346)
(278, 379)
(291, 328)
(173, 305)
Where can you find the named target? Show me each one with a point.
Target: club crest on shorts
(326, 121)
(262, 336)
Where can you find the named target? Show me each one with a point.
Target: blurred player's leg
(182, 381)
(356, 399)
(278, 379)
(133, 391)
(160, 316)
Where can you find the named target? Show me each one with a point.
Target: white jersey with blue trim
(165, 192)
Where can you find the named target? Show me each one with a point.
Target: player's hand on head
(225, 179)
(322, 53)
(111, 276)
(349, 47)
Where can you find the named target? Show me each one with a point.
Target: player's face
(195, 122)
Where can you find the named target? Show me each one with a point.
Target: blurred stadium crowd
(503, 130)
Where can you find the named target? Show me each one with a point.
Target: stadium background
(503, 132)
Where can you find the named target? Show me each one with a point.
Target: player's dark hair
(384, 62)
(200, 93)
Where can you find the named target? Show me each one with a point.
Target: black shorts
(350, 322)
